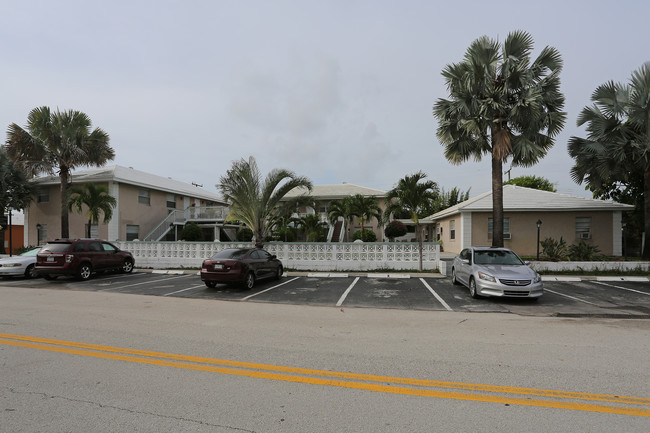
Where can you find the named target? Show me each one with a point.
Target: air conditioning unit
(585, 235)
(507, 236)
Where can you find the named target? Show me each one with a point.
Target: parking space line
(184, 290)
(571, 297)
(145, 282)
(345, 294)
(444, 304)
(622, 288)
(270, 288)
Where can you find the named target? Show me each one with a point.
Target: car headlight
(486, 277)
(537, 278)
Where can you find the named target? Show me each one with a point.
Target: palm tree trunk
(65, 226)
(646, 209)
(497, 202)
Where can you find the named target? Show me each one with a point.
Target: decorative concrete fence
(323, 256)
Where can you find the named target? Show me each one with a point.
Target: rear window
(55, 248)
(229, 254)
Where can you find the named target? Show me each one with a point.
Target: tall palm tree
(618, 138)
(365, 208)
(58, 141)
(96, 200)
(341, 209)
(253, 199)
(503, 105)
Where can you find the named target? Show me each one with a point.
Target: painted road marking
(386, 384)
(622, 288)
(184, 290)
(158, 280)
(270, 288)
(571, 297)
(345, 294)
(442, 301)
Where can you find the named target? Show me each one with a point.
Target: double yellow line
(613, 404)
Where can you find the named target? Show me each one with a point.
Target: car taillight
(69, 258)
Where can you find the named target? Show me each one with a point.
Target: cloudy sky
(339, 91)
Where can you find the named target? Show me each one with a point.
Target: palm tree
(365, 208)
(341, 209)
(618, 138)
(253, 200)
(96, 200)
(503, 105)
(58, 142)
(412, 196)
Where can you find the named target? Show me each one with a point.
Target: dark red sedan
(240, 265)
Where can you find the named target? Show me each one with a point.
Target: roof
(336, 191)
(131, 176)
(520, 199)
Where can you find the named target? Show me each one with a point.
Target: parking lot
(613, 297)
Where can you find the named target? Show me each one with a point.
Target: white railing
(317, 256)
(191, 213)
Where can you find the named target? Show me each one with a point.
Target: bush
(245, 234)
(192, 233)
(316, 237)
(554, 250)
(284, 235)
(395, 229)
(583, 251)
(368, 236)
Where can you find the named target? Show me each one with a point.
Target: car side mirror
(274, 257)
(465, 261)
(527, 262)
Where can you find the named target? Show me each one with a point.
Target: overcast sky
(338, 91)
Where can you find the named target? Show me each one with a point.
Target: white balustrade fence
(324, 256)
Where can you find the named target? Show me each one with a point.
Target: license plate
(218, 267)
(50, 259)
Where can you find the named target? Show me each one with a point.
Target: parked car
(21, 265)
(81, 258)
(240, 265)
(489, 271)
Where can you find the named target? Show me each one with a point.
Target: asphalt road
(95, 357)
(610, 297)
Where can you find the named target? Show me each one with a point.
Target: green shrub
(368, 236)
(582, 251)
(192, 233)
(554, 250)
(245, 234)
(285, 235)
(316, 237)
(395, 229)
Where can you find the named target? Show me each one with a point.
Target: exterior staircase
(336, 234)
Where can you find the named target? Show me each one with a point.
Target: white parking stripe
(140, 284)
(622, 288)
(270, 288)
(444, 304)
(570, 297)
(184, 290)
(345, 294)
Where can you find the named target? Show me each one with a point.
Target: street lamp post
(623, 240)
(38, 234)
(539, 225)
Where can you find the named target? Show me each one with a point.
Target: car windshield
(31, 253)
(496, 257)
(55, 248)
(229, 254)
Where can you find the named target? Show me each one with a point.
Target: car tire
(210, 284)
(279, 272)
(84, 272)
(454, 280)
(127, 266)
(472, 289)
(30, 272)
(249, 281)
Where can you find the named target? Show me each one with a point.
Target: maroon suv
(80, 258)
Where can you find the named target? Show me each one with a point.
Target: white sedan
(21, 265)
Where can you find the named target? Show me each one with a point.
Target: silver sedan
(489, 271)
(19, 266)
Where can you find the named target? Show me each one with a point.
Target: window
(143, 196)
(132, 232)
(583, 227)
(43, 195)
(108, 247)
(452, 229)
(171, 201)
(506, 228)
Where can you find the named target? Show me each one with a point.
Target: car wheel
(279, 272)
(30, 272)
(50, 277)
(249, 281)
(127, 267)
(472, 289)
(454, 280)
(85, 271)
(210, 284)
